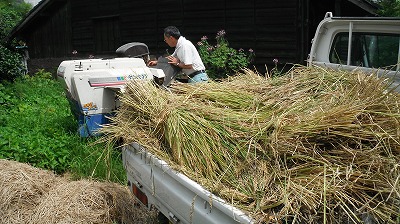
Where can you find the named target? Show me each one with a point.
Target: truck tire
(162, 219)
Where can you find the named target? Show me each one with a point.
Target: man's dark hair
(172, 31)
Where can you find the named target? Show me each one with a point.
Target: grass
(38, 128)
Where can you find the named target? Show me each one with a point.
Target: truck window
(369, 50)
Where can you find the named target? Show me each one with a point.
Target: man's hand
(152, 63)
(173, 60)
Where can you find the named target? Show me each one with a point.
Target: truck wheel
(162, 219)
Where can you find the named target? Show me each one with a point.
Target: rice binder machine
(92, 85)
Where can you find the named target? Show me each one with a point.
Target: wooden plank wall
(270, 28)
(273, 29)
(50, 35)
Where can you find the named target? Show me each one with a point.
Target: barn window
(106, 34)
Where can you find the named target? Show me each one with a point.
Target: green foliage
(99, 161)
(8, 19)
(37, 127)
(18, 5)
(32, 128)
(275, 72)
(390, 8)
(11, 12)
(10, 64)
(41, 73)
(222, 60)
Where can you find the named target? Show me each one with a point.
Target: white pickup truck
(368, 44)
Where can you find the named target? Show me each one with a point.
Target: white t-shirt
(187, 54)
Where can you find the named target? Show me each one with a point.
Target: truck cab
(368, 44)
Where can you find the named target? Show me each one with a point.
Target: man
(185, 56)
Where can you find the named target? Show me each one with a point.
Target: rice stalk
(311, 146)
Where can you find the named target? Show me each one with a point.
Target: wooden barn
(54, 29)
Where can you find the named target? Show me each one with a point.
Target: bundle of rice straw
(312, 146)
(21, 188)
(31, 195)
(86, 202)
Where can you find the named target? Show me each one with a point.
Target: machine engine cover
(134, 49)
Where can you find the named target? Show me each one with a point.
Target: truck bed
(179, 198)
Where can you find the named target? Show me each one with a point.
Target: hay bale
(21, 189)
(32, 195)
(87, 201)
